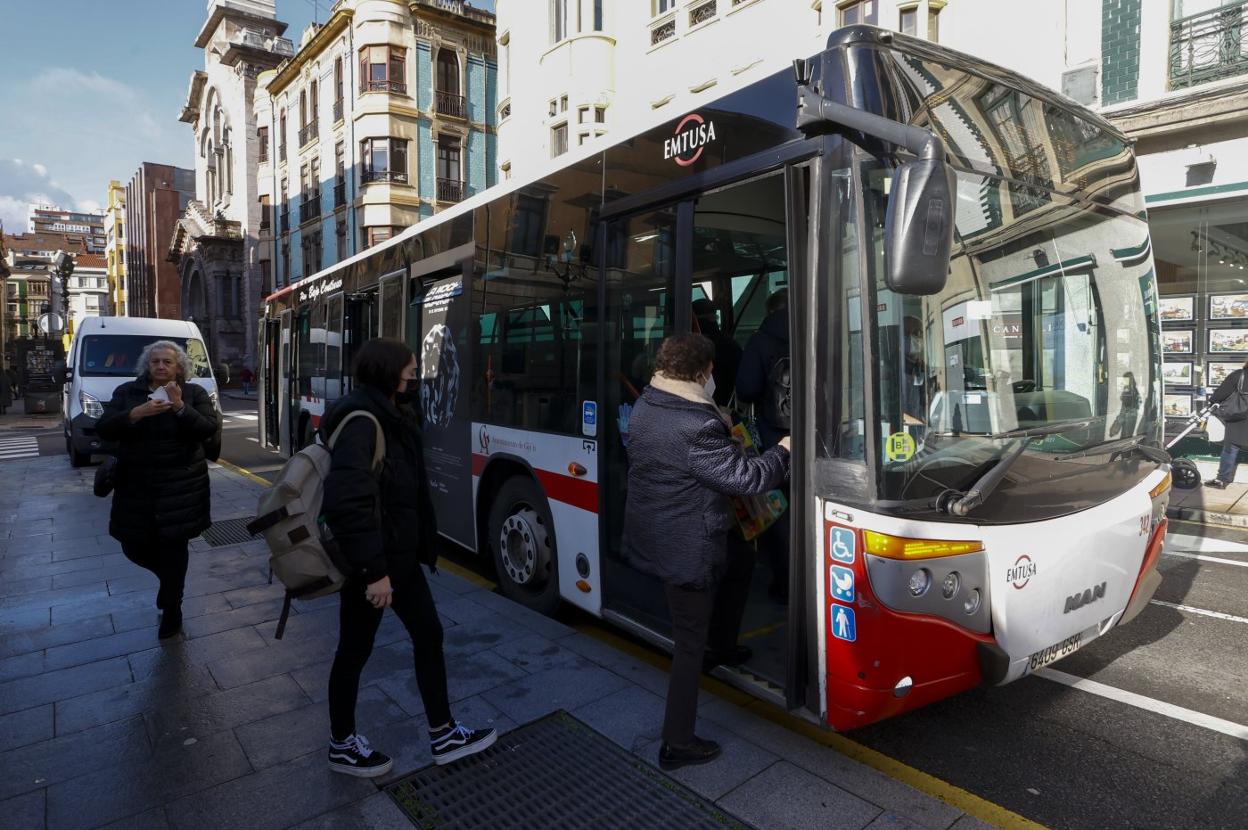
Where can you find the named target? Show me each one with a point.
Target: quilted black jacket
(383, 523)
(162, 489)
(683, 466)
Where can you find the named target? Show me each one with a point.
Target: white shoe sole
(362, 772)
(466, 750)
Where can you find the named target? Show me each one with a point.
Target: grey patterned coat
(683, 466)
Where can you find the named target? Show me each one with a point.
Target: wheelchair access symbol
(842, 544)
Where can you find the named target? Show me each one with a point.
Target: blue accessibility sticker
(589, 418)
(842, 582)
(842, 544)
(843, 625)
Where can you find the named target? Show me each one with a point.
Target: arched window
(449, 101)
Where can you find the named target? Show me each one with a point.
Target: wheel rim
(525, 548)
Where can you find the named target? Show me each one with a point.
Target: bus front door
(271, 394)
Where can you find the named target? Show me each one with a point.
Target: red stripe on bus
(564, 489)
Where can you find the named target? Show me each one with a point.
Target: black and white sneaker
(458, 741)
(355, 757)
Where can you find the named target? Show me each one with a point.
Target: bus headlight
(91, 406)
(919, 582)
(972, 602)
(949, 588)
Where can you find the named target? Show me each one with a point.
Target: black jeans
(699, 616)
(358, 622)
(167, 558)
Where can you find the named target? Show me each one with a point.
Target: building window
(600, 115)
(558, 20)
(597, 15)
(558, 140)
(281, 125)
(340, 175)
(449, 101)
(340, 239)
(450, 179)
(338, 90)
(384, 160)
(379, 233)
(582, 114)
(262, 139)
(266, 275)
(314, 100)
(663, 6)
(383, 69)
(933, 24)
(285, 275)
(265, 207)
(908, 24)
(862, 11)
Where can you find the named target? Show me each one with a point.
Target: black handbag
(104, 476)
(1235, 408)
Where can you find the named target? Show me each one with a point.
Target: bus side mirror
(918, 229)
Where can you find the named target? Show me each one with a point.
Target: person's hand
(379, 594)
(787, 443)
(148, 409)
(175, 395)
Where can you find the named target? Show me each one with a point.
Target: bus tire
(76, 459)
(522, 541)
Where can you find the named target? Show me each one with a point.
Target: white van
(104, 355)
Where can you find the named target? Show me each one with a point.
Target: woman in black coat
(1236, 432)
(382, 524)
(683, 467)
(162, 496)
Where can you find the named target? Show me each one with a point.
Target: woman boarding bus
(969, 278)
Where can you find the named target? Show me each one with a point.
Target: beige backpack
(289, 516)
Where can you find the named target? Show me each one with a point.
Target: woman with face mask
(382, 524)
(683, 467)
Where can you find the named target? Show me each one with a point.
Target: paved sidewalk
(103, 725)
(16, 419)
(1210, 506)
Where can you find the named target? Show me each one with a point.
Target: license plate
(1056, 652)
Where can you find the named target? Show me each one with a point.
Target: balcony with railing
(702, 12)
(281, 151)
(392, 176)
(397, 87)
(283, 223)
(310, 208)
(1209, 46)
(337, 110)
(450, 104)
(450, 190)
(306, 133)
(663, 28)
(340, 194)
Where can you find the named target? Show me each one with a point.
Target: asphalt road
(1146, 746)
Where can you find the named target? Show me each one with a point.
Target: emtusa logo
(483, 440)
(692, 135)
(1022, 572)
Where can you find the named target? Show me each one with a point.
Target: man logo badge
(1089, 595)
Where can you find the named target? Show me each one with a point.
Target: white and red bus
(977, 486)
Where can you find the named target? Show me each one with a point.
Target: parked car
(104, 354)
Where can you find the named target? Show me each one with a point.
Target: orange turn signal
(575, 469)
(896, 547)
(1162, 486)
(583, 586)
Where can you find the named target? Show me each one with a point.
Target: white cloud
(85, 129)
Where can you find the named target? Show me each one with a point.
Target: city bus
(977, 484)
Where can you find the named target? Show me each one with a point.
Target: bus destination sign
(318, 290)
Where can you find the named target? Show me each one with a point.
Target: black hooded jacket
(383, 522)
(162, 489)
(762, 351)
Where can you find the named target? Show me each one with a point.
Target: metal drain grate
(227, 532)
(554, 773)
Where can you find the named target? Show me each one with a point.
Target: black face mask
(405, 398)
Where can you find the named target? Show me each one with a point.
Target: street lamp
(63, 266)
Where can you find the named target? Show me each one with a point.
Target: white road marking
(253, 438)
(1202, 544)
(1215, 614)
(1206, 558)
(1169, 710)
(12, 449)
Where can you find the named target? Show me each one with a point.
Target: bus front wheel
(523, 543)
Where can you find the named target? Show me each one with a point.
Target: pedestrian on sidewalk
(162, 496)
(384, 528)
(1236, 437)
(683, 467)
(6, 391)
(247, 376)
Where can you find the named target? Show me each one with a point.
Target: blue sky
(87, 102)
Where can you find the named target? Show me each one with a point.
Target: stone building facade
(216, 244)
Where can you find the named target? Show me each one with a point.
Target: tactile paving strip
(554, 773)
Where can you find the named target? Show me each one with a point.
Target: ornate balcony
(1209, 46)
(450, 190)
(663, 29)
(306, 133)
(337, 110)
(397, 87)
(310, 208)
(384, 176)
(450, 104)
(702, 12)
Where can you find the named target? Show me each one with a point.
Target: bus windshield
(1049, 327)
